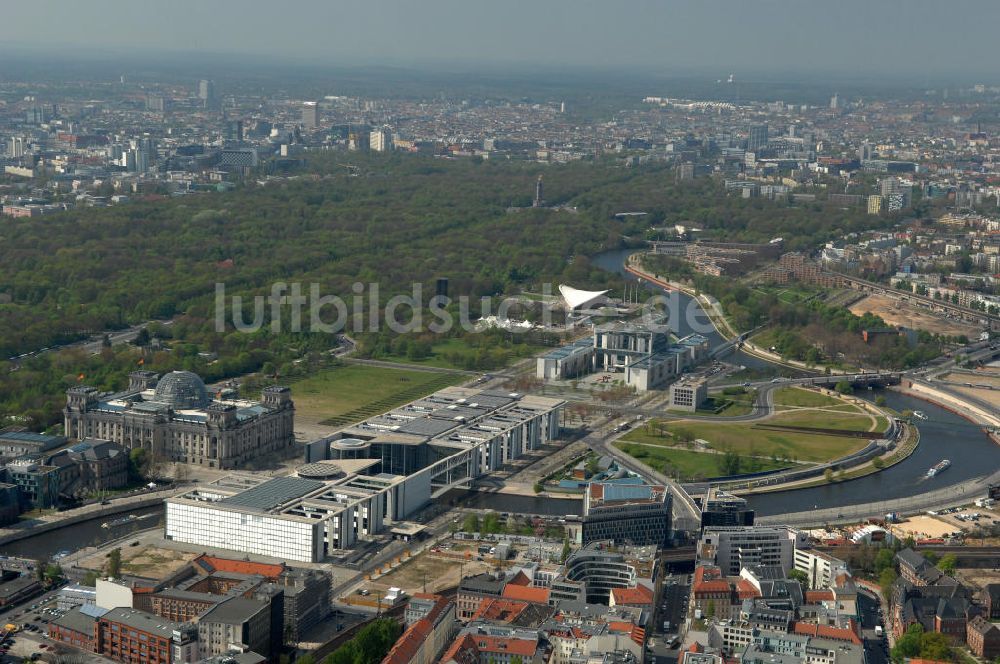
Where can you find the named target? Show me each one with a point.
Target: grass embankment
(353, 392)
(687, 465)
(907, 444)
(796, 397)
(748, 439)
(667, 445)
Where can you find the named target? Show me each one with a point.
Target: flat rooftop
(602, 494)
(140, 620)
(273, 492)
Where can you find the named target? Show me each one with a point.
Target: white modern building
(645, 356)
(687, 395)
(380, 140)
(733, 548)
(364, 480)
(821, 568)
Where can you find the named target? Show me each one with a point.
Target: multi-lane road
(94, 344)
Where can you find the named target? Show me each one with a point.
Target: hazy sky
(874, 38)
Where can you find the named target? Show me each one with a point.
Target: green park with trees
(392, 220)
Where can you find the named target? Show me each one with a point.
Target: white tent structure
(580, 299)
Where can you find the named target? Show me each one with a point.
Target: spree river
(81, 534)
(943, 435)
(687, 315)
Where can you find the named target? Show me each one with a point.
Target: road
(686, 514)
(876, 647)
(947, 497)
(673, 604)
(94, 344)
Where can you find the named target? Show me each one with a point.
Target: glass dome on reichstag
(182, 390)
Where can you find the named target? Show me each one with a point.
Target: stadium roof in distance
(579, 299)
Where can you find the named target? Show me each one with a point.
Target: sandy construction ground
(977, 578)
(147, 561)
(978, 378)
(991, 397)
(923, 526)
(426, 568)
(899, 313)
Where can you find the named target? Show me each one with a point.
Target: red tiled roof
(638, 595)
(567, 632)
(817, 596)
(746, 590)
(842, 580)
(467, 647)
(635, 632)
(527, 594)
(709, 579)
(620, 625)
(406, 647)
(241, 566)
(828, 632)
(462, 649)
(499, 610)
(522, 647)
(520, 579)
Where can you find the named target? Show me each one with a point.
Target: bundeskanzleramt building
(174, 417)
(636, 514)
(647, 356)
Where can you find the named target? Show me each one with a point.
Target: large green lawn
(744, 438)
(796, 396)
(353, 392)
(689, 466)
(848, 421)
(456, 353)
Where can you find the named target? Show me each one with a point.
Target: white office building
(380, 140)
(821, 568)
(366, 479)
(733, 548)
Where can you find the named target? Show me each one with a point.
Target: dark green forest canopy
(402, 219)
(392, 220)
